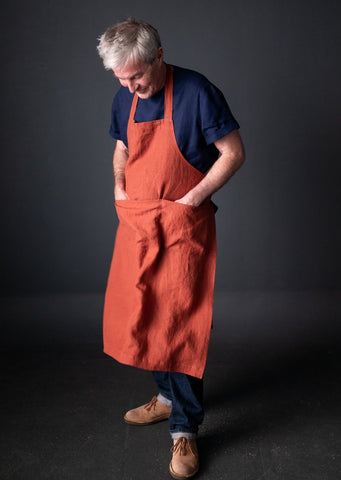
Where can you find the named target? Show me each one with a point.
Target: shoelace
(181, 446)
(151, 404)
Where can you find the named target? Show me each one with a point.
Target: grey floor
(272, 411)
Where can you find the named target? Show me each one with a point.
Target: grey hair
(130, 40)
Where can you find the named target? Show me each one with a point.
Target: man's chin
(143, 95)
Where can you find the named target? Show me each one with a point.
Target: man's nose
(132, 86)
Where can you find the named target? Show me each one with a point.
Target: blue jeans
(186, 394)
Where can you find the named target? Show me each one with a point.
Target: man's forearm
(231, 159)
(119, 163)
(222, 170)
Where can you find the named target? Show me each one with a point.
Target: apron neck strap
(168, 113)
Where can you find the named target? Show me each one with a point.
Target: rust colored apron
(159, 297)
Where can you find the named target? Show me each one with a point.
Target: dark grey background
(278, 66)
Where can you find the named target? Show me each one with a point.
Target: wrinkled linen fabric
(159, 297)
(163, 305)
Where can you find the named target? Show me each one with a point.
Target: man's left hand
(189, 199)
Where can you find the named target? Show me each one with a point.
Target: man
(176, 144)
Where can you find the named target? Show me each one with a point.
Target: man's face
(144, 79)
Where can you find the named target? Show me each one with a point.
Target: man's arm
(120, 158)
(231, 158)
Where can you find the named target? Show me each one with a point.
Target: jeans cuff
(188, 435)
(161, 398)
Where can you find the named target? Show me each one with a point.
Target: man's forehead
(130, 70)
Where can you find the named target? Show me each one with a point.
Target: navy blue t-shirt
(200, 116)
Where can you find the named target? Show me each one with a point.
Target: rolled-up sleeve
(216, 117)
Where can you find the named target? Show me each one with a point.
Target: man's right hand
(121, 194)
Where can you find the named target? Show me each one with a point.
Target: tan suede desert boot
(151, 412)
(185, 461)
